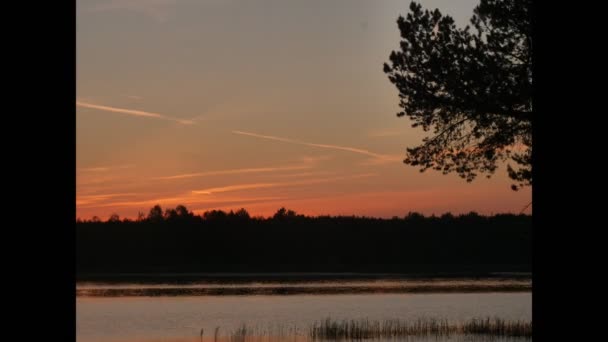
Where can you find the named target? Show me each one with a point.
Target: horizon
(297, 213)
(221, 105)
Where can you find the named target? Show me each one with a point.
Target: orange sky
(255, 104)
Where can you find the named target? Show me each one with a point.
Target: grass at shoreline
(485, 329)
(366, 329)
(488, 329)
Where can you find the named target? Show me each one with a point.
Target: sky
(255, 104)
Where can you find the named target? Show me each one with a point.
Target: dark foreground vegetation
(366, 329)
(177, 241)
(430, 329)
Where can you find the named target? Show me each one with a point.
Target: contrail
(235, 171)
(132, 112)
(327, 146)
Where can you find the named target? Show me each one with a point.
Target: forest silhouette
(178, 241)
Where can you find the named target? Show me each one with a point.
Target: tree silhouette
(170, 214)
(183, 212)
(114, 218)
(283, 214)
(242, 214)
(472, 89)
(236, 242)
(414, 217)
(214, 215)
(155, 214)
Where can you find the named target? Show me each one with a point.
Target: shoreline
(298, 284)
(237, 277)
(283, 291)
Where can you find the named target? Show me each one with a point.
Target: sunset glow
(227, 105)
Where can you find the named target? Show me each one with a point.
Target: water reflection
(175, 319)
(453, 338)
(203, 288)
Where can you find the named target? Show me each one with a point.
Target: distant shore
(239, 277)
(297, 283)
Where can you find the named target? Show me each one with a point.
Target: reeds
(240, 334)
(329, 329)
(216, 334)
(497, 327)
(245, 333)
(365, 329)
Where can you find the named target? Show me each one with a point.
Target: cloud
(85, 182)
(133, 112)
(201, 197)
(384, 133)
(304, 174)
(155, 9)
(314, 159)
(326, 146)
(332, 179)
(187, 199)
(90, 199)
(95, 169)
(387, 159)
(250, 186)
(104, 168)
(235, 171)
(235, 188)
(134, 97)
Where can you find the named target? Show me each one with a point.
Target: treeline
(176, 240)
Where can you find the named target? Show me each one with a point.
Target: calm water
(180, 318)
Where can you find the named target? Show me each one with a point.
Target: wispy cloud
(384, 133)
(331, 179)
(235, 188)
(314, 159)
(155, 9)
(104, 168)
(133, 97)
(235, 171)
(91, 183)
(250, 186)
(90, 199)
(326, 146)
(387, 159)
(211, 196)
(305, 174)
(94, 169)
(187, 199)
(178, 199)
(133, 112)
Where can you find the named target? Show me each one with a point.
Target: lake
(130, 312)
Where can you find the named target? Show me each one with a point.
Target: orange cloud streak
(133, 112)
(234, 171)
(326, 146)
